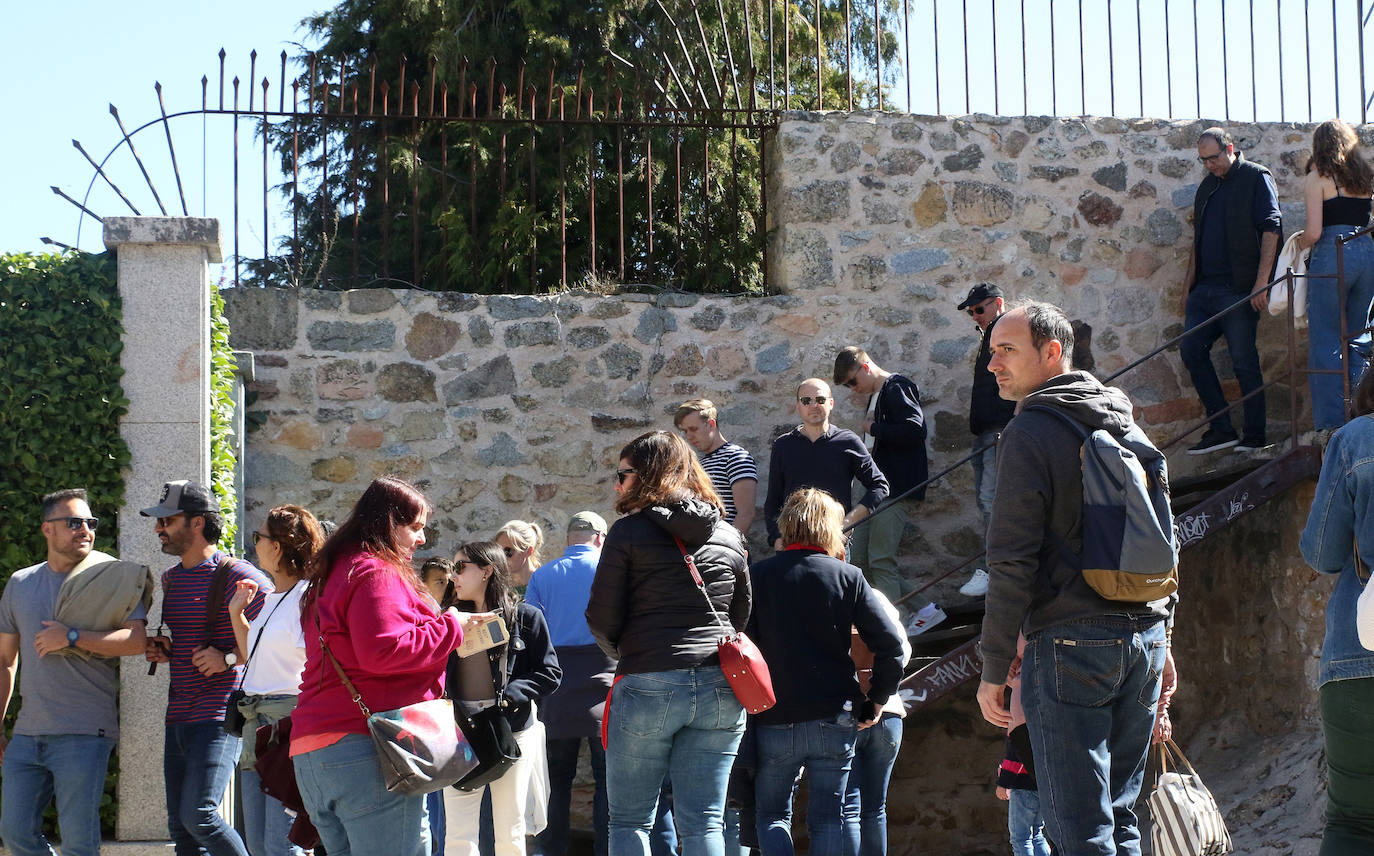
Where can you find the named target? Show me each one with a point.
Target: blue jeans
(865, 799)
(1089, 688)
(562, 756)
(198, 761)
(1239, 327)
(685, 723)
(265, 820)
(343, 789)
(438, 823)
(825, 747)
(72, 766)
(1324, 299)
(1025, 825)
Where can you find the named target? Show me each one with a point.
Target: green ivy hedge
(60, 403)
(60, 396)
(222, 460)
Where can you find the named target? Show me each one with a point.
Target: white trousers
(509, 798)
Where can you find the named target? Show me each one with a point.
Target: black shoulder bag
(488, 731)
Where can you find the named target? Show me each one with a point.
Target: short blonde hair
(705, 406)
(812, 516)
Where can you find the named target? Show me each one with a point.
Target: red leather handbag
(740, 658)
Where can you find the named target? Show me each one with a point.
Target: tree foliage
(510, 204)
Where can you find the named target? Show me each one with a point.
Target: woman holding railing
(1337, 190)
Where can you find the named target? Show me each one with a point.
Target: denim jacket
(1342, 510)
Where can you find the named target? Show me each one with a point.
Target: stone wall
(515, 406)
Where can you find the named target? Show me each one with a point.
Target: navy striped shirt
(725, 466)
(193, 697)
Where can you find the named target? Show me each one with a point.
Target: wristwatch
(231, 659)
(72, 635)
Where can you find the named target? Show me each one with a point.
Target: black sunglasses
(76, 523)
(622, 473)
(808, 400)
(258, 536)
(509, 551)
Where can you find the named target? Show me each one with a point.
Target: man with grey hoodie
(1091, 675)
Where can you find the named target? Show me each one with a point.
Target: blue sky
(64, 64)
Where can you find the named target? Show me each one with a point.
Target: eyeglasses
(1205, 159)
(76, 524)
(258, 536)
(808, 400)
(620, 477)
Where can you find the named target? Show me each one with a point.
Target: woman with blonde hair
(274, 645)
(521, 541)
(808, 602)
(1337, 191)
(671, 710)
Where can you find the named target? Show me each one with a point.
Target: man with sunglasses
(988, 414)
(894, 429)
(817, 454)
(198, 754)
(68, 722)
(1236, 230)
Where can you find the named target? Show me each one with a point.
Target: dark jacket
(1243, 230)
(807, 605)
(532, 669)
(830, 463)
(645, 610)
(1032, 584)
(987, 409)
(899, 436)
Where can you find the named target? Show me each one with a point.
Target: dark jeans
(1348, 722)
(197, 762)
(1239, 326)
(1089, 688)
(562, 755)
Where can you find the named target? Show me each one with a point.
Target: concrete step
(126, 848)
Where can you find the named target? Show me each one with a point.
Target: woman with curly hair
(1337, 190)
(671, 711)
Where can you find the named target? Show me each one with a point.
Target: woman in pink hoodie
(367, 603)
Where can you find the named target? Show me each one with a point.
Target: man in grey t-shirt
(68, 723)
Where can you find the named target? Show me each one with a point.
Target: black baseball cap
(183, 496)
(980, 292)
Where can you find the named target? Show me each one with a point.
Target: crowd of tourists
(278, 666)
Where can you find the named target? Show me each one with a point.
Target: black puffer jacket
(645, 610)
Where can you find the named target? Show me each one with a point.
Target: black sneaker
(1213, 441)
(1251, 444)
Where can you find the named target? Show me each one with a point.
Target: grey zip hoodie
(1039, 492)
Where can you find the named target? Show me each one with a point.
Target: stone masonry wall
(516, 406)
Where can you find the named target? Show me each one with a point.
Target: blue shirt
(560, 589)
(1342, 510)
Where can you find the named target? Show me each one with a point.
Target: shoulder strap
(1078, 427)
(1361, 571)
(343, 677)
(214, 598)
(696, 577)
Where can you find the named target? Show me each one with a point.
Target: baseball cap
(587, 521)
(980, 292)
(183, 496)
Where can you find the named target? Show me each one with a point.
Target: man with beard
(199, 755)
(68, 722)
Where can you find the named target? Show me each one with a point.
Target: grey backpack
(1129, 550)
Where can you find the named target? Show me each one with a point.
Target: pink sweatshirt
(385, 636)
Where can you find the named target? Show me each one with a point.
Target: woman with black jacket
(671, 710)
(512, 677)
(810, 602)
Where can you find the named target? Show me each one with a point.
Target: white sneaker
(930, 615)
(977, 585)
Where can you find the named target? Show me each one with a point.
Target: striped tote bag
(1186, 819)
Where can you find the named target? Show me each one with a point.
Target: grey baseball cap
(183, 496)
(587, 521)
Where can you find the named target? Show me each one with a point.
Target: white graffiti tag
(1193, 527)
